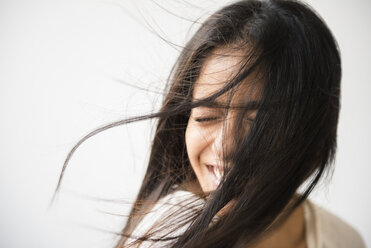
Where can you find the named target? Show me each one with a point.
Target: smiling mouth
(216, 174)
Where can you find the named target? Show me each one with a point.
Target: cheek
(195, 144)
(189, 140)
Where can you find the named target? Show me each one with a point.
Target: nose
(221, 141)
(217, 142)
(227, 136)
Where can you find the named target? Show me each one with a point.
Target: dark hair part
(291, 140)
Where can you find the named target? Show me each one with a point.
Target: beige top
(322, 228)
(325, 230)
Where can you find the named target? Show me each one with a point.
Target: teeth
(217, 173)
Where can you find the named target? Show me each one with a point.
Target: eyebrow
(219, 104)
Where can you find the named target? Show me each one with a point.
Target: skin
(208, 125)
(205, 145)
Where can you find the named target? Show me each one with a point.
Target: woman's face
(207, 125)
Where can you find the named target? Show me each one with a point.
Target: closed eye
(205, 119)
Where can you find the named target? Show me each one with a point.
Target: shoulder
(175, 202)
(330, 230)
(169, 217)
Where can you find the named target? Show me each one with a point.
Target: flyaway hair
(291, 140)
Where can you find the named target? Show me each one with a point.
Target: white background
(66, 68)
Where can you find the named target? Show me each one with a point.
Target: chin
(208, 185)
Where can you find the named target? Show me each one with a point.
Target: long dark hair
(291, 140)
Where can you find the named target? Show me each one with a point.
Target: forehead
(217, 70)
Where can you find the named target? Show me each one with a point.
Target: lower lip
(213, 177)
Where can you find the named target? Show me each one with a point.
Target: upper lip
(212, 165)
(220, 168)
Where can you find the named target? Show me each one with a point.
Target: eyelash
(205, 119)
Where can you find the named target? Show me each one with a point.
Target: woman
(250, 115)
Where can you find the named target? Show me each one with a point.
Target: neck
(289, 234)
